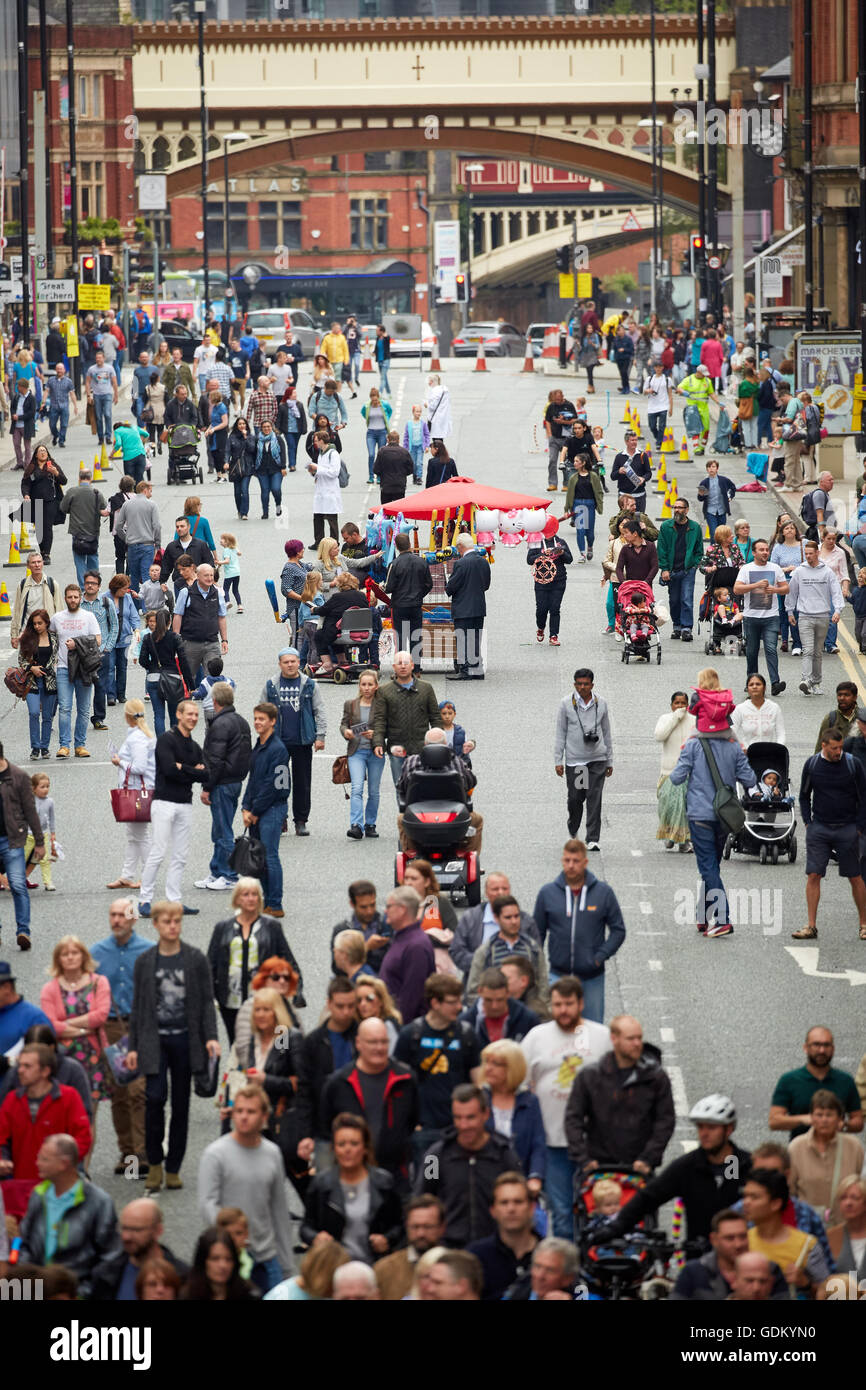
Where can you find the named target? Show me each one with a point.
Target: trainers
(63, 752)
(816, 690)
(539, 634)
(720, 929)
(796, 651)
(355, 832)
(805, 934)
(99, 724)
(190, 911)
(593, 844)
(702, 928)
(219, 885)
(301, 827)
(606, 630)
(81, 753)
(34, 752)
(777, 687)
(686, 635)
(805, 687)
(555, 642)
(144, 909)
(675, 635)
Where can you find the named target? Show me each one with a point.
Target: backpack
(807, 508)
(52, 588)
(812, 417)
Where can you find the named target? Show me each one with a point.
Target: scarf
(274, 449)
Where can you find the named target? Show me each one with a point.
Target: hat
(56, 319)
(288, 651)
(6, 975)
(443, 703)
(861, 713)
(702, 369)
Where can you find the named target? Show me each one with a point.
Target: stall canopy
(456, 493)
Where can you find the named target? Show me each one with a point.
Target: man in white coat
(326, 499)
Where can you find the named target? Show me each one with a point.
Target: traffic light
(563, 259)
(697, 252)
(133, 263)
(462, 283)
(105, 267)
(88, 273)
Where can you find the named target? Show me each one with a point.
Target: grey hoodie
(573, 723)
(814, 591)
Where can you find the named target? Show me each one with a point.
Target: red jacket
(61, 1112)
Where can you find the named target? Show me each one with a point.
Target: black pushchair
(183, 460)
(770, 828)
(724, 639)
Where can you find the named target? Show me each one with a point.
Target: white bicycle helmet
(714, 1110)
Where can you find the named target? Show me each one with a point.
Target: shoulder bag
(131, 803)
(340, 774)
(726, 805)
(171, 686)
(18, 681)
(248, 858)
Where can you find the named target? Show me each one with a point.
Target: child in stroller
(600, 1196)
(720, 608)
(727, 619)
(770, 787)
(636, 620)
(771, 825)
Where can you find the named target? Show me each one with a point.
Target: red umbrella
(456, 493)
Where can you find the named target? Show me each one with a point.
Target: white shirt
(657, 386)
(204, 357)
(553, 1059)
(764, 725)
(757, 603)
(78, 624)
(280, 377)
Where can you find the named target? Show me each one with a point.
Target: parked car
(269, 326)
(500, 340)
(176, 336)
(535, 335)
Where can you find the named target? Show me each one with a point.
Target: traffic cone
(14, 552)
(626, 414)
(98, 475)
(480, 359)
(684, 450)
(550, 347)
(668, 445)
(528, 359)
(103, 457)
(662, 478)
(667, 510)
(435, 364)
(5, 609)
(367, 360)
(635, 423)
(707, 531)
(82, 468)
(25, 544)
(674, 493)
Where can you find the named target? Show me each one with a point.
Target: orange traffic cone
(367, 360)
(662, 477)
(5, 609)
(14, 552)
(480, 359)
(98, 475)
(667, 510)
(684, 450)
(668, 445)
(528, 359)
(435, 364)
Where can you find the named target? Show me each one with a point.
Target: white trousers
(170, 824)
(138, 835)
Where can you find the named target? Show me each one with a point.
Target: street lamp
(655, 123)
(474, 168)
(200, 6)
(228, 138)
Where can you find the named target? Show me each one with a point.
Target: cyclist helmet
(714, 1110)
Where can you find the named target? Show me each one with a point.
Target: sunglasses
(287, 978)
(368, 998)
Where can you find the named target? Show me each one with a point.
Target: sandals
(123, 883)
(863, 933)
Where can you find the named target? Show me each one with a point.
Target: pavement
(729, 1015)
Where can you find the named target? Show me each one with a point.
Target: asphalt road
(730, 1015)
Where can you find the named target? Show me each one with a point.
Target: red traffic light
(697, 242)
(88, 262)
(461, 279)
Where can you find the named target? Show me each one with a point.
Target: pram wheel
(729, 844)
(200, 476)
(792, 849)
(763, 854)
(659, 654)
(774, 854)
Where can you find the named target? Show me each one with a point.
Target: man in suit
(409, 579)
(469, 582)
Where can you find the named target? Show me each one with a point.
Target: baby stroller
(770, 828)
(723, 640)
(729, 434)
(615, 1269)
(640, 636)
(183, 461)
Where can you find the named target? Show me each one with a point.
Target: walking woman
(37, 655)
(217, 435)
(356, 726)
(215, 1275)
(548, 561)
(757, 719)
(377, 414)
(199, 526)
(671, 732)
(153, 411)
(587, 356)
(238, 947)
(322, 425)
(168, 678)
(440, 465)
(76, 1002)
(136, 761)
(437, 408)
(277, 972)
(787, 552)
(584, 501)
(608, 565)
(327, 505)
(291, 423)
(514, 1111)
(747, 405)
(42, 486)
(354, 1202)
(241, 451)
(127, 632)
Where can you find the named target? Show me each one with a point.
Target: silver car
(269, 326)
(500, 340)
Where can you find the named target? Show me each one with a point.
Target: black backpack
(813, 424)
(807, 509)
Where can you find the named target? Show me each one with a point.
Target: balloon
(551, 526)
(486, 520)
(511, 521)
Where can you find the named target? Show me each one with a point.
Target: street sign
(152, 194)
(55, 291)
(94, 297)
(771, 277)
(631, 224)
(584, 284)
(566, 287)
(714, 262)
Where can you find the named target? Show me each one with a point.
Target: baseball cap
(703, 369)
(55, 320)
(6, 972)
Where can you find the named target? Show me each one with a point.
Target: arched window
(187, 149)
(161, 154)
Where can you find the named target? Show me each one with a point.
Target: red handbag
(131, 803)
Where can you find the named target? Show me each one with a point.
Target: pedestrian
(383, 1091)
(584, 502)
(356, 727)
(410, 957)
(168, 678)
(699, 391)
(106, 615)
(353, 342)
(131, 440)
(172, 1036)
(139, 526)
(200, 620)
(23, 411)
(558, 421)
(61, 395)
(326, 400)
(16, 1015)
(437, 408)
(715, 494)
(326, 498)
(583, 753)
(114, 957)
(416, 438)
(680, 550)
(185, 543)
(292, 580)
(100, 384)
(85, 506)
(833, 808)
(280, 974)
(266, 800)
(37, 655)
(71, 624)
(42, 487)
(246, 1170)
(658, 402)
(240, 452)
(377, 414)
(671, 731)
(467, 587)
(514, 1111)
(510, 939)
(408, 580)
(86, 1237)
(638, 558)
(707, 764)
(407, 709)
(836, 559)
(425, 1228)
(354, 1203)
(215, 1273)
(227, 751)
(392, 466)
(787, 553)
(495, 1013)
(36, 1109)
(291, 423)
(757, 719)
(790, 1104)
(76, 1001)
(136, 761)
(441, 466)
(270, 462)
(815, 597)
(302, 727)
(758, 582)
(382, 348)
(580, 921)
(462, 1167)
(127, 633)
(766, 1195)
(443, 1052)
(179, 763)
(622, 355)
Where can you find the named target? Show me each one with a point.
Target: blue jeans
(292, 446)
(267, 829)
(355, 364)
(830, 639)
(58, 422)
(559, 1190)
(102, 685)
(83, 563)
(756, 631)
(118, 364)
(139, 559)
(714, 520)
(764, 427)
(46, 700)
(708, 840)
(365, 764)
(681, 587)
(396, 766)
(161, 708)
(788, 625)
(83, 696)
(116, 669)
(266, 1274)
(657, 421)
(584, 523)
(223, 804)
(102, 412)
(384, 383)
(270, 484)
(376, 439)
(136, 468)
(242, 495)
(16, 872)
(417, 452)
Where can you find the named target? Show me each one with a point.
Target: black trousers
(173, 1063)
(319, 519)
(301, 763)
(468, 632)
(623, 374)
(585, 784)
(407, 626)
(548, 602)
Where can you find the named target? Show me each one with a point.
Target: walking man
(179, 763)
(104, 611)
(580, 921)
(69, 624)
(100, 383)
(469, 582)
(409, 579)
(301, 726)
(200, 620)
(85, 506)
(715, 494)
(227, 750)
(583, 754)
(760, 581)
(20, 819)
(833, 808)
(680, 550)
(115, 956)
(815, 594)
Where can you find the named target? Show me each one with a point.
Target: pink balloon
(551, 526)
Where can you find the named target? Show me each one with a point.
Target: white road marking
(807, 959)
(645, 907)
(655, 965)
(637, 854)
(667, 1035)
(678, 1087)
(650, 933)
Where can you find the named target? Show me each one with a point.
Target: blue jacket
(728, 489)
(733, 767)
(312, 712)
(269, 782)
(128, 620)
(527, 1133)
(584, 931)
(520, 1021)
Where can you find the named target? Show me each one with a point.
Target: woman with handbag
(152, 413)
(42, 486)
(587, 356)
(37, 658)
(274, 1059)
(356, 726)
(137, 763)
(238, 947)
(76, 1001)
(168, 678)
(747, 406)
